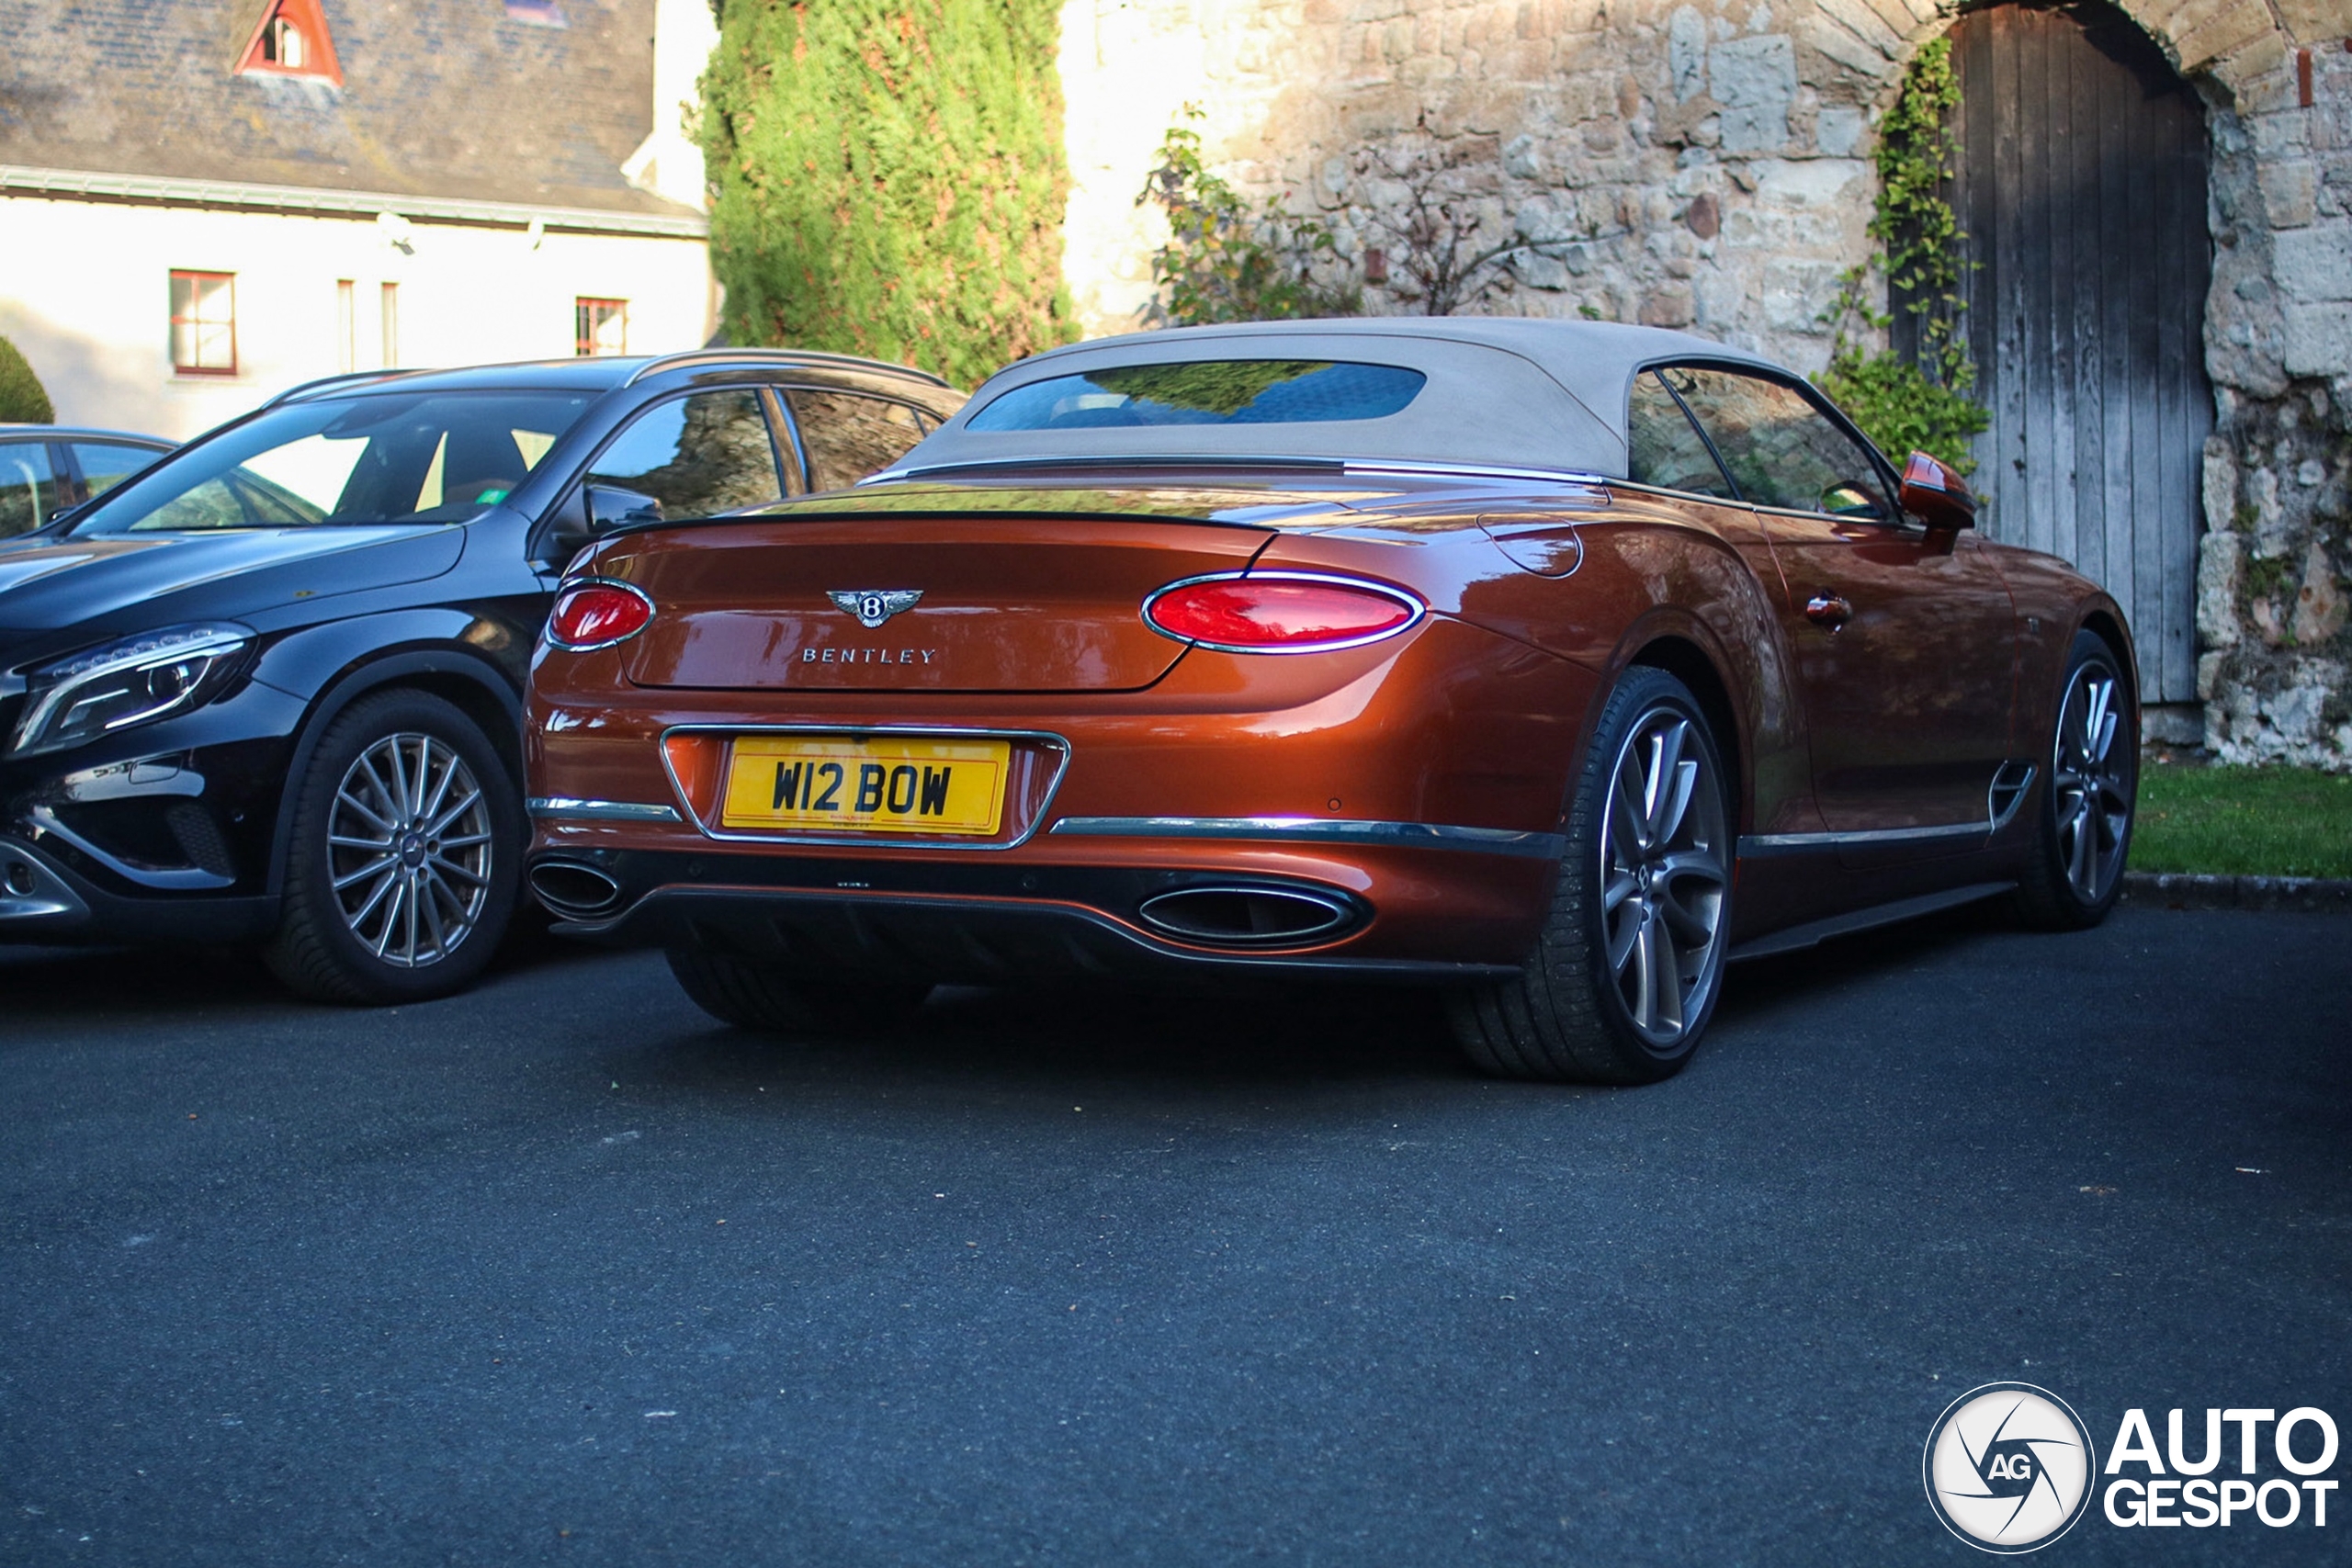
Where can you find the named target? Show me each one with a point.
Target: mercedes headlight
(134, 679)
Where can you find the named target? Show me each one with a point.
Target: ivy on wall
(22, 399)
(1923, 400)
(887, 178)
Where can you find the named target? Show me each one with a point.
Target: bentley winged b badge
(872, 606)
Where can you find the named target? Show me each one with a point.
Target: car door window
(106, 464)
(1663, 449)
(29, 491)
(1781, 451)
(849, 435)
(697, 456)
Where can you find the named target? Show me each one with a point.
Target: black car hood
(124, 584)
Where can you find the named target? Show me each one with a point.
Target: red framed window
(204, 323)
(292, 40)
(599, 326)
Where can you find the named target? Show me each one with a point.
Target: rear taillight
(597, 613)
(1279, 613)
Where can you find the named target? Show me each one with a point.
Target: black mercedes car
(268, 690)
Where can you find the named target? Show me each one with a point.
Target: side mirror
(1935, 496)
(611, 507)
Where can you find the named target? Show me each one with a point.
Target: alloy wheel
(1662, 876)
(2090, 781)
(409, 844)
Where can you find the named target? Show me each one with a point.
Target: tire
(1642, 877)
(751, 996)
(2074, 869)
(407, 805)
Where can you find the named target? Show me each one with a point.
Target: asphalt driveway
(561, 1271)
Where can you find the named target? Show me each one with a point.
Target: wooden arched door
(2081, 186)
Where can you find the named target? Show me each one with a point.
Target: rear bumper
(1372, 781)
(961, 940)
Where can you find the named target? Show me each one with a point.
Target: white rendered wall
(84, 293)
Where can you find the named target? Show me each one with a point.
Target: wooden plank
(2115, 98)
(1972, 49)
(2009, 521)
(2058, 155)
(2148, 240)
(2169, 649)
(2034, 203)
(2088, 278)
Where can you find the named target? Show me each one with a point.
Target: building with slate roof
(206, 201)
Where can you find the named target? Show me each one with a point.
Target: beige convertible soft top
(1502, 392)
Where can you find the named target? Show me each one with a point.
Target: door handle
(1829, 610)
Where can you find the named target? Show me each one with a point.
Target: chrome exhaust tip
(1246, 917)
(568, 887)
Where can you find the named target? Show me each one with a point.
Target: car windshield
(1225, 392)
(383, 457)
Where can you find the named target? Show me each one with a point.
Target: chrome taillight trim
(573, 585)
(1417, 611)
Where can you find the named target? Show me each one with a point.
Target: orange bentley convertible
(1554, 665)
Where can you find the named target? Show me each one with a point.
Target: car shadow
(1761, 985)
(1096, 1033)
(1296, 1036)
(75, 983)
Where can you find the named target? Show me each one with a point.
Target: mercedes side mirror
(1935, 496)
(611, 507)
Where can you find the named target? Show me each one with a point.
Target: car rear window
(1209, 391)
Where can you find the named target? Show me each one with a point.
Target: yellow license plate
(848, 785)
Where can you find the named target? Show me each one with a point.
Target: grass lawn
(2243, 821)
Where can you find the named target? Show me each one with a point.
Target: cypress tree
(889, 178)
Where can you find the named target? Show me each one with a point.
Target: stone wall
(1702, 163)
(2276, 673)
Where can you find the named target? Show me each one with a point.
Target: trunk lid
(899, 602)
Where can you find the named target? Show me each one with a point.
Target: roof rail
(789, 355)
(322, 383)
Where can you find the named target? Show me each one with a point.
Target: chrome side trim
(1481, 471)
(1058, 744)
(1320, 830)
(1756, 844)
(563, 806)
(1369, 467)
(2011, 780)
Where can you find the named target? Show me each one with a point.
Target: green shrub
(888, 179)
(1228, 258)
(22, 401)
(1924, 402)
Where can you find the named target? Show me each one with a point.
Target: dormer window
(281, 44)
(292, 41)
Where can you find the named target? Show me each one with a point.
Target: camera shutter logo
(2008, 1467)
